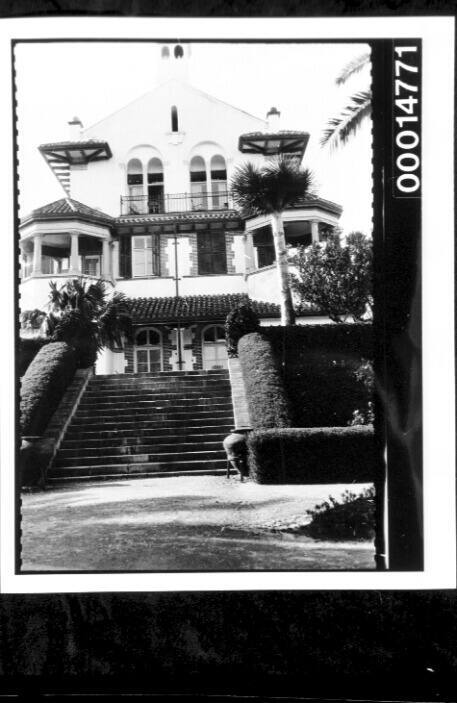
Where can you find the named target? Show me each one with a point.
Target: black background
(367, 644)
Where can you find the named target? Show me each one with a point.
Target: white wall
(263, 285)
(147, 287)
(207, 126)
(212, 285)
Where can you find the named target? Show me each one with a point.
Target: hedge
(268, 404)
(318, 367)
(312, 455)
(27, 350)
(44, 384)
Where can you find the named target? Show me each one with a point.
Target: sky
(56, 81)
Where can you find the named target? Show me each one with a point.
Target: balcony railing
(176, 202)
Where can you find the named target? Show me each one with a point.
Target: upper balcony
(176, 203)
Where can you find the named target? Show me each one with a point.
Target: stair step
(169, 404)
(138, 458)
(130, 437)
(145, 419)
(144, 468)
(160, 375)
(132, 449)
(152, 393)
(57, 480)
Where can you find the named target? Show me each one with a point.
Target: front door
(214, 350)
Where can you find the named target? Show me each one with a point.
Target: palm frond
(270, 188)
(353, 67)
(341, 128)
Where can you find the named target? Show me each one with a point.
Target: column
(209, 185)
(115, 259)
(314, 231)
(106, 268)
(37, 241)
(74, 254)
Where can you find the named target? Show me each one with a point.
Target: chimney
(74, 129)
(273, 116)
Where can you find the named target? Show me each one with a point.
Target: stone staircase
(149, 424)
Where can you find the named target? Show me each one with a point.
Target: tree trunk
(282, 266)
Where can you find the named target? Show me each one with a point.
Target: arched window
(219, 199)
(198, 187)
(155, 186)
(135, 186)
(214, 350)
(148, 351)
(165, 52)
(174, 119)
(179, 52)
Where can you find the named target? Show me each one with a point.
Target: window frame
(155, 256)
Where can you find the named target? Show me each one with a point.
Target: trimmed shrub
(320, 369)
(312, 455)
(240, 321)
(27, 350)
(268, 405)
(44, 384)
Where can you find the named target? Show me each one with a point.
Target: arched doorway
(214, 350)
(148, 351)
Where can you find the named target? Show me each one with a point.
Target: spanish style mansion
(147, 208)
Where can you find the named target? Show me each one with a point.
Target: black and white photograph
(219, 306)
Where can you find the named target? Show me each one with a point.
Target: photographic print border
(397, 320)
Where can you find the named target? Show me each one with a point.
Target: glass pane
(154, 338)
(209, 334)
(141, 338)
(220, 333)
(142, 361)
(154, 360)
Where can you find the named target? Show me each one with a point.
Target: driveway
(180, 524)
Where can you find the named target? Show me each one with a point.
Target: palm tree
(270, 189)
(82, 315)
(341, 128)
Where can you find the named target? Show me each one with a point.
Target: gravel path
(180, 524)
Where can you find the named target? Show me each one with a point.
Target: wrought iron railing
(175, 202)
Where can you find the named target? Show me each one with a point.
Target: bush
(27, 350)
(312, 455)
(240, 321)
(320, 365)
(44, 384)
(268, 404)
(351, 518)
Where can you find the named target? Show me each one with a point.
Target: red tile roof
(68, 208)
(195, 307)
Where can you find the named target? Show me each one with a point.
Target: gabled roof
(194, 307)
(182, 84)
(67, 208)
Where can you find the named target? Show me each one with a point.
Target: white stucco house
(146, 206)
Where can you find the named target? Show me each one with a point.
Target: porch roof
(195, 307)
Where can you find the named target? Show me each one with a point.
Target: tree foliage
(82, 315)
(336, 278)
(345, 125)
(241, 320)
(270, 188)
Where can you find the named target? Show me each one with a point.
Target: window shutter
(125, 256)
(212, 255)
